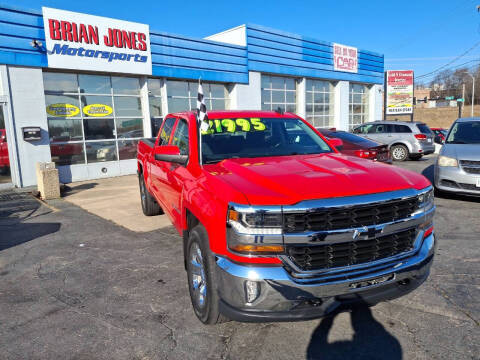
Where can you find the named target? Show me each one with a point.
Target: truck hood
(286, 180)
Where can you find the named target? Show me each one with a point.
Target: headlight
(426, 200)
(447, 161)
(254, 230)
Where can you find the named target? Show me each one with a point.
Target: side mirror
(438, 140)
(170, 153)
(337, 143)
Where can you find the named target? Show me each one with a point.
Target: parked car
(457, 168)
(440, 135)
(277, 224)
(404, 139)
(359, 146)
(4, 159)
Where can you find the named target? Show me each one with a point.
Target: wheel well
(192, 221)
(398, 143)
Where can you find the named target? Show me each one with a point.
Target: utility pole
(473, 92)
(461, 103)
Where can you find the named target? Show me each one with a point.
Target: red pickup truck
(277, 224)
(4, 160)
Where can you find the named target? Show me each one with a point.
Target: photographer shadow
(370, 340)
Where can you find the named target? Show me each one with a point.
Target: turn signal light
(257, 249)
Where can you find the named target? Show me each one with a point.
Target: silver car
(404, 139)
(457, 167)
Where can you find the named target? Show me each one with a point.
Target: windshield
(464, 133)
(259, 137)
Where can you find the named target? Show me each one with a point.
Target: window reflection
(67, 154)
(101, 151)
(96, 128)
(94, 84)
(127, 149)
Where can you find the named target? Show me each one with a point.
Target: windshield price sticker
(219, 126)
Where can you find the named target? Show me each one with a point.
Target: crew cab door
(158, 169)
(177, 173)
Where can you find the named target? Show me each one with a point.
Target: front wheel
(399, 152)
(201, 277)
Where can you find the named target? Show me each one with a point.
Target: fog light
(252, 290)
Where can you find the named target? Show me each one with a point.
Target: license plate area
(371, 282)
(478, 182)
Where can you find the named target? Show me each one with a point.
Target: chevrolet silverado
(277, 225)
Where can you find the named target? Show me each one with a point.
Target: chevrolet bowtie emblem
(367, 232)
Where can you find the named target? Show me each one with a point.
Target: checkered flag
(202, 116)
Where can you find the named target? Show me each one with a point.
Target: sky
(422, 35)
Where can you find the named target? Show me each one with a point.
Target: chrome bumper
(282, 296)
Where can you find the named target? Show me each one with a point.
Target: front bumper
(285, 298)
(454, 179)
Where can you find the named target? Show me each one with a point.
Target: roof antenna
(280, 111)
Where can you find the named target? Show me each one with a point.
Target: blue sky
(421, 35)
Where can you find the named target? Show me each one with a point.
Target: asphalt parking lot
(76, 286)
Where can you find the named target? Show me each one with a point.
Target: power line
(450, 62)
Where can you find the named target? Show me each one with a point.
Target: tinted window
(402, 129)
(377, 129)
(424, 129)
(166, 131)
(464, 133)
(181, 137)
(354, 139)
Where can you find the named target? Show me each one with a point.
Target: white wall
(340, 119)
(27, 106)
(375, 103)
(235, 36)
(247, 96)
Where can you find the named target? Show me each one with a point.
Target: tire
(149, 205)
(201, 277)
(399, 152)
(416, 157)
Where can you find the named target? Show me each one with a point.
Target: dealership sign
(345, 58)
(85, 42)
(399, 92)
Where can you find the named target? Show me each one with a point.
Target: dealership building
(81, 90)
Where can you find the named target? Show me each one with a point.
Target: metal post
(473, 92)
(460, 108)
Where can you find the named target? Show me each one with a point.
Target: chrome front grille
(327, 256)
(349, 217)
(470, 166)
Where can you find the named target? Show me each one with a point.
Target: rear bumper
(423, 148)
(281, 297)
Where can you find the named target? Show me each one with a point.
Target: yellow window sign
(218, 126)
(97, 110)
(63, 110)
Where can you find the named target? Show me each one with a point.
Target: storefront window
(358, 105)
(279, 92)
(182, 96)
(92, 118)
(319, 103)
